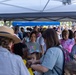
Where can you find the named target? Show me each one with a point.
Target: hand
(32, 61)
(28, 64)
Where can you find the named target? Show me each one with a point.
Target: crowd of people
(38, 52)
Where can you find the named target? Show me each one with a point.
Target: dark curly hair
(18, 48)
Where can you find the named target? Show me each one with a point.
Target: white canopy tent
(31, 10)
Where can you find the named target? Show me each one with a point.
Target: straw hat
(9, 32)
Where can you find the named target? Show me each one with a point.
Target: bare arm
(34, 62)
(39, 68)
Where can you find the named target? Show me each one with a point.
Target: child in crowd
(22, 50)
(33, 56)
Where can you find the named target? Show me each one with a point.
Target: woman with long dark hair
(51, 62)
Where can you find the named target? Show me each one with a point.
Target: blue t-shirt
(53, 60)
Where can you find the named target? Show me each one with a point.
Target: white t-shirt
(41, 42)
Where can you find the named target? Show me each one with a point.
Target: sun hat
(9, 33)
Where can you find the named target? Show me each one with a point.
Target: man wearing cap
(10, 64)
